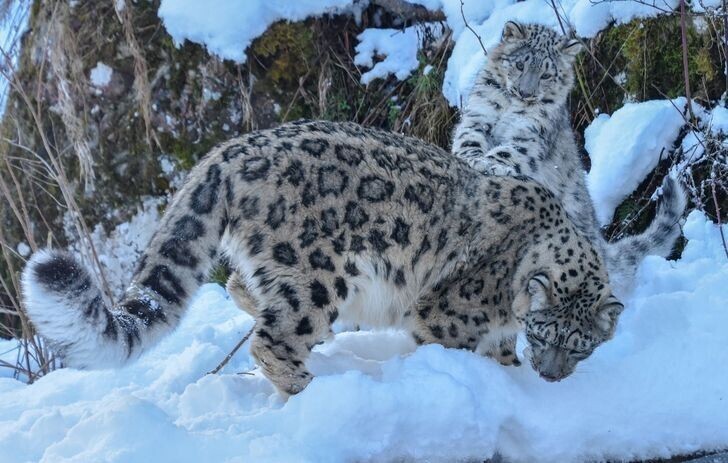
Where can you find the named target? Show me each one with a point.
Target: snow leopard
(516, 122)
(329, 220)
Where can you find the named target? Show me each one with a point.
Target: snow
(12, 29)
(101, 75)
(398, 46)
(23, 249)
(626, 147)
(718, 120)
(227, 27)
(656, 389)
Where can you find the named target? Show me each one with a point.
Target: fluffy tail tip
(673, 200)
(65, 305)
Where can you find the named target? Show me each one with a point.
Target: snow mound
(399, 47)
(657, 389)
(627, 146)
(227, 27)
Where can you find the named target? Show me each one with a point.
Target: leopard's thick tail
(66, 306)
(624, 256)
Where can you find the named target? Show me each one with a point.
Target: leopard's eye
(519, 66)
(579, 355)
(546, 75)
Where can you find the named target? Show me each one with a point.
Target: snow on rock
(590, 17)
(657, 389)
(101, 75)
(627, 146)
(227, 27)
(399, 47)
(718, 120)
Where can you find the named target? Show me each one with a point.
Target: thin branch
(686, 75)
(480, 41)
(232, 353)
(558, 16)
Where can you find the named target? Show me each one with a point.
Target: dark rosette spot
(295, 173)
(255, 168)
(249, 207)
(285, 254)
(319, 260)
(276, 213)
(319, 294)
(304, 327)
(331, 181)
(309, 233)
(205, 194)
(162, 281)
(348, 154)
(314, 147)
(420, 194)
(355, 215)
(400, 233)
(189, 228)
(375, 189)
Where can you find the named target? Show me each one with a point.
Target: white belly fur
(373, 301)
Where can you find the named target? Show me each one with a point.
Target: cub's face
(564, 329)
(534, 63)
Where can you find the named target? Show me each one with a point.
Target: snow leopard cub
(516, 122)
(326, 220)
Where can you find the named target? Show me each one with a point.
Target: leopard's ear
(513, 31)
(539, 287)
(607, 315)
(572, 47)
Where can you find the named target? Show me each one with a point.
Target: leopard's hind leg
(292, 317)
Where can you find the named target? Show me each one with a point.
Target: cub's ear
(539, 287)
(607, 315)
(513, 31)
(572, 47)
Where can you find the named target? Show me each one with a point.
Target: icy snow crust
(657, 389)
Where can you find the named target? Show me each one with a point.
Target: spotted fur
(516, 122)
(329, 220)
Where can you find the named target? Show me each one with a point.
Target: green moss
(652, 56)
(285, 51)
(219, 274)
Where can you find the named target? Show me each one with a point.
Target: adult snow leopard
(328, 220)
(516, 122)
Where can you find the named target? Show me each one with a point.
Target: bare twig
(725, 45)
(232, 353)
(686, 75)
(558, 16)
(480, 41)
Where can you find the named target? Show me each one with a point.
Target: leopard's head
(534, 63)
(565, 323)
